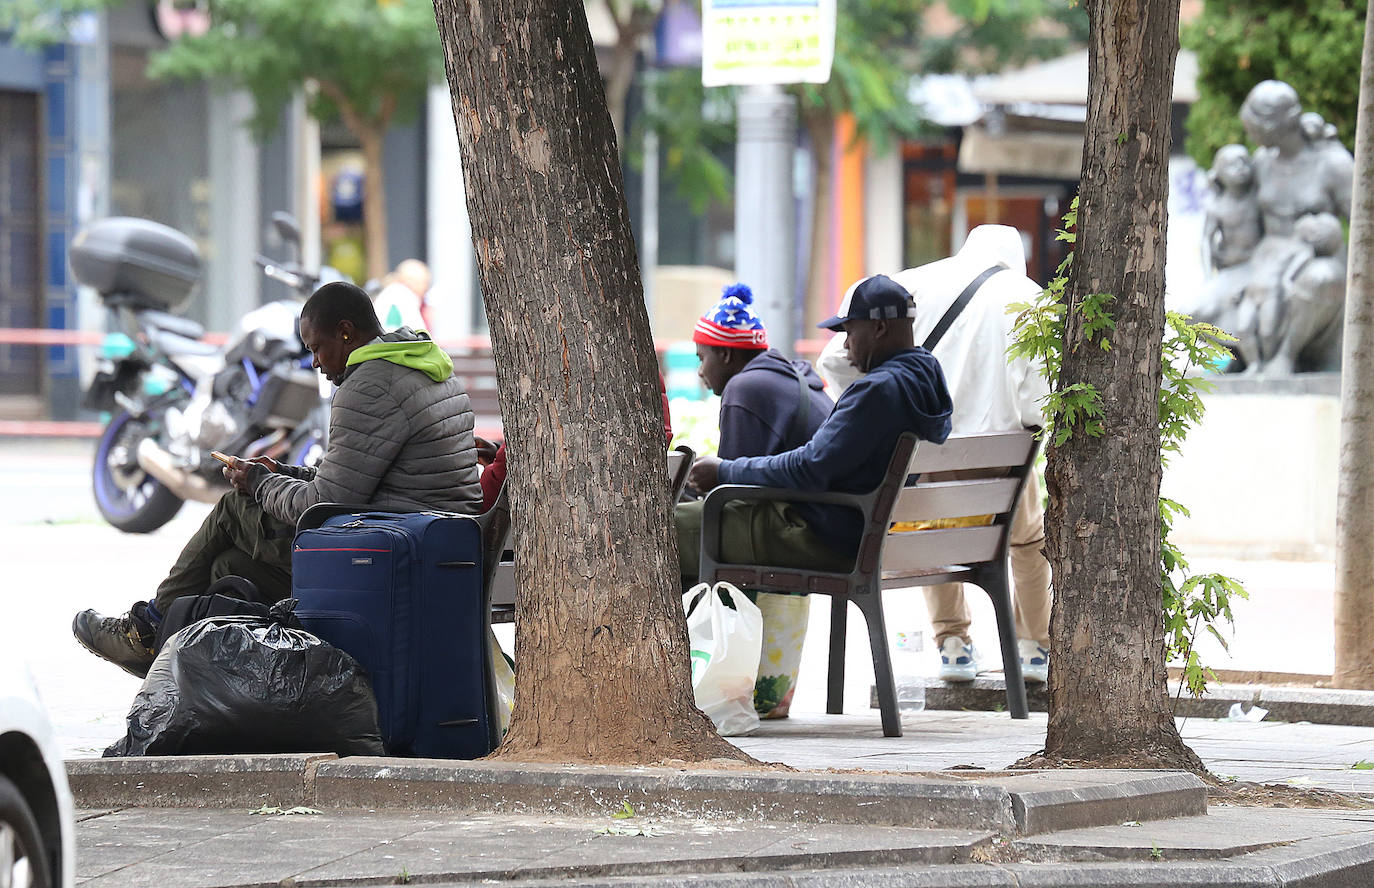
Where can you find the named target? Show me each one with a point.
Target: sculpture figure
(1233, 214)
(1274, 236)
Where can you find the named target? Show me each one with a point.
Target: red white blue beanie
(731, 323)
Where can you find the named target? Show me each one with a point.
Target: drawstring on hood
(407, 348)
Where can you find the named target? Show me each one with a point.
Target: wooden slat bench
(966, 477)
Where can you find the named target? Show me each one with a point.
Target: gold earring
(345, 337)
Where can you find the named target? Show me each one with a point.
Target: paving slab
(1225, 831)
(194, 780)
(358, 848)
(947, 876)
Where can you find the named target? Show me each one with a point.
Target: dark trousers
(237, 538)
(754, 532)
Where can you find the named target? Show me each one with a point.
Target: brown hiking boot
(116, 639)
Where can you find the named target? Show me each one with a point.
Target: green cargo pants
(753, 532)
(237, 538)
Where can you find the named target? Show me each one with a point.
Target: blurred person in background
(992, 393)
(401, 302)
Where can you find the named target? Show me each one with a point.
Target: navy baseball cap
(876, 298)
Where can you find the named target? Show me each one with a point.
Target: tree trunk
(1102, 526)
(601, 644)
(1355, 493)
(374, 201)
(820, 132)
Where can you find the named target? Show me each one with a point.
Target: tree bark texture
(1355, 493)
(601, 642)
(1108, 691)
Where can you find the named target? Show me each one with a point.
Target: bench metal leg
(993, 580)
(839, 626)
(871, 606)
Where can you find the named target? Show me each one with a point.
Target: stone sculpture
(1274, 239)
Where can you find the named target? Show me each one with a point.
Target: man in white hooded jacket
(992, 393)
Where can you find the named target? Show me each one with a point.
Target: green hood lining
(424, 355)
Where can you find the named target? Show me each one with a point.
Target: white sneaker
(1035, 661)
(958, 661)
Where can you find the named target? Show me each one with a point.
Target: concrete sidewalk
(221, 848)
(1296, 754)
(392, 821)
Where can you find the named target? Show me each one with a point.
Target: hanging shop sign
(748, 42)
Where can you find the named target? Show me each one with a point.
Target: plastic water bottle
(906, 650)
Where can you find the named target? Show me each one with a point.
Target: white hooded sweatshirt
(991, 392)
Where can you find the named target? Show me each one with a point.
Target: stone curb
(662, 792)
(195, 781)
(1322, 706)
(1043, 802)
(1332, 862)
(1009, 802)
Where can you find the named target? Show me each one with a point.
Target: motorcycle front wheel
(308, 442)
(127, 496)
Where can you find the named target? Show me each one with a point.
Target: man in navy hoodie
(903, 391)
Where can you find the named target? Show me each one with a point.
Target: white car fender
(22, 712)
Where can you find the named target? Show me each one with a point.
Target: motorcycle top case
(155, 266)
(402, 594)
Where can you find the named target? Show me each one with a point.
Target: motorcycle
(172, 398)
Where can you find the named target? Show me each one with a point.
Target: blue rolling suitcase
(402, 593)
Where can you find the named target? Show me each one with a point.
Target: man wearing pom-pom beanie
(768, 405)
(762, 408)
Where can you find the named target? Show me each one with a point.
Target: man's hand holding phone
(237, 470)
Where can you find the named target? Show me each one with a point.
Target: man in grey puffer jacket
(400, 439)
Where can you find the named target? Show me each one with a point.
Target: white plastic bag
(505, 683)
(725, 643)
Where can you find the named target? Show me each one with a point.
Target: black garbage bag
(244, 684)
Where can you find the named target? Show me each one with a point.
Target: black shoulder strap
(957, 308)
(796, 435)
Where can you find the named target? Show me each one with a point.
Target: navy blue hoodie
(849, 453)
(759, 403)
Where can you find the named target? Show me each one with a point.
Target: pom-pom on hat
(731, 323)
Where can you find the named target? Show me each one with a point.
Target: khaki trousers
(1030, 574)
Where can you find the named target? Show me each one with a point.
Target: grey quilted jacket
(398, 440)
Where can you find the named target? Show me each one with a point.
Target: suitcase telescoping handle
(318, 514)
